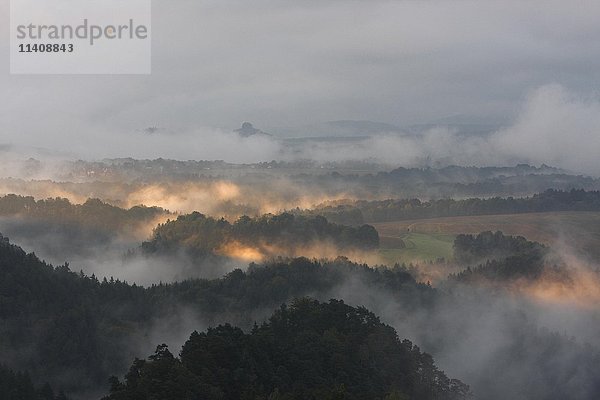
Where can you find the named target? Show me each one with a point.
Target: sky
(217, 63)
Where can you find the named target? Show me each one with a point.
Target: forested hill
(75, 330)
(497, 257)
(310, 350)
(472, 249)
(353, 213)
(93, 214)
(272, 235)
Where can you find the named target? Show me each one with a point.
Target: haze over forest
(322, 200)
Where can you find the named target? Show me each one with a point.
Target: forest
(200, 235)
(309, 350)
(80, 330)
(301, 200)
(232, 190)
(93, 214)
(355, 213)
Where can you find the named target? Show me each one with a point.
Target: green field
(417, 247)
(428, 239)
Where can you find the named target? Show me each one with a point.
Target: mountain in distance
(248, 130)
(342, 128)
(364, 129)
(465, 125)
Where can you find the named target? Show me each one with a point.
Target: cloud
(287, 63)
(216, 64)
(556, 127)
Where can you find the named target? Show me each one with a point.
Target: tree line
(75, 330)
(356, 213)
(497, 257)
(309, 350)
(93, 214)
(201, 235)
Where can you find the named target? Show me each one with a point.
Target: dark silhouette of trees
(310, 350)
(78, 330)
(19, 386)
(355, 213)
(201, 235)
(500, 257)
(93, 214)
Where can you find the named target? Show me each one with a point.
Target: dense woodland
(97, 214)
(75, 330)
(93, 214)
(472, 249)
(287, 183)
(450, 182)
(496, 257)
(129, 169)
(355, 213)
(19, 386)
(78, 330)
(310, 350)
(200, 235)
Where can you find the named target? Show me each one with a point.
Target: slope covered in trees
(75, 330)
(497, 258)
(310, 350)
(62, 326)
(471, 249)
(273, 235)
(59, 230)
(93, 214)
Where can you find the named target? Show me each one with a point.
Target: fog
(554, 126)
(217, 64)
(118, 254)
(517, 342)
(467, 83)
(522, 339)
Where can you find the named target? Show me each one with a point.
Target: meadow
(430, 239)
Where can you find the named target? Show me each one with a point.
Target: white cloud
(556, 127)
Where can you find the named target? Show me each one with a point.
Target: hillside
(75, 330)
(260, 238)
(309, 350)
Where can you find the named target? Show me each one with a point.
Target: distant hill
(361, 128)
(344, 128)
(248, 130)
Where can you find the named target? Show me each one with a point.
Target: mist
(554, 126)
(516, 341)
(406, 89)
(525, 67)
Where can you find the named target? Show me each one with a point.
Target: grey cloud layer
(217, 63)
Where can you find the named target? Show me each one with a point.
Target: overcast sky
(286, 63)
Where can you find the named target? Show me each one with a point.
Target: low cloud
(556, 127)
